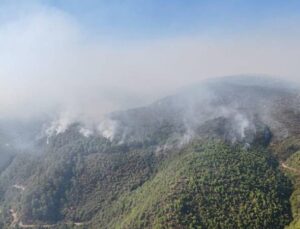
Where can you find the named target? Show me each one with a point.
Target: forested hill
(218, 155)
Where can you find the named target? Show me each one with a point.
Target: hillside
(212, 156)
(209, 186)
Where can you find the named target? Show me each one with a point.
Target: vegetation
(204, 185)
(207, 186)
(179, 163)
(292, 169)
(286, 148)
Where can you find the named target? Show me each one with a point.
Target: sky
(141, 19)
(88, 58)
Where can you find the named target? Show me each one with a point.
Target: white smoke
(86, 132)
(242, 124)
(49, 62)
(107, 128)
(60, 125)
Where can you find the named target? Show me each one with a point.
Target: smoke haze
(49, 62)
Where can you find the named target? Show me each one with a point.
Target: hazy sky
(93, 57)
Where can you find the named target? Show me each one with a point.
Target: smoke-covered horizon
(49, 63)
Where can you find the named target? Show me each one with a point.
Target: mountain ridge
(111, 177)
